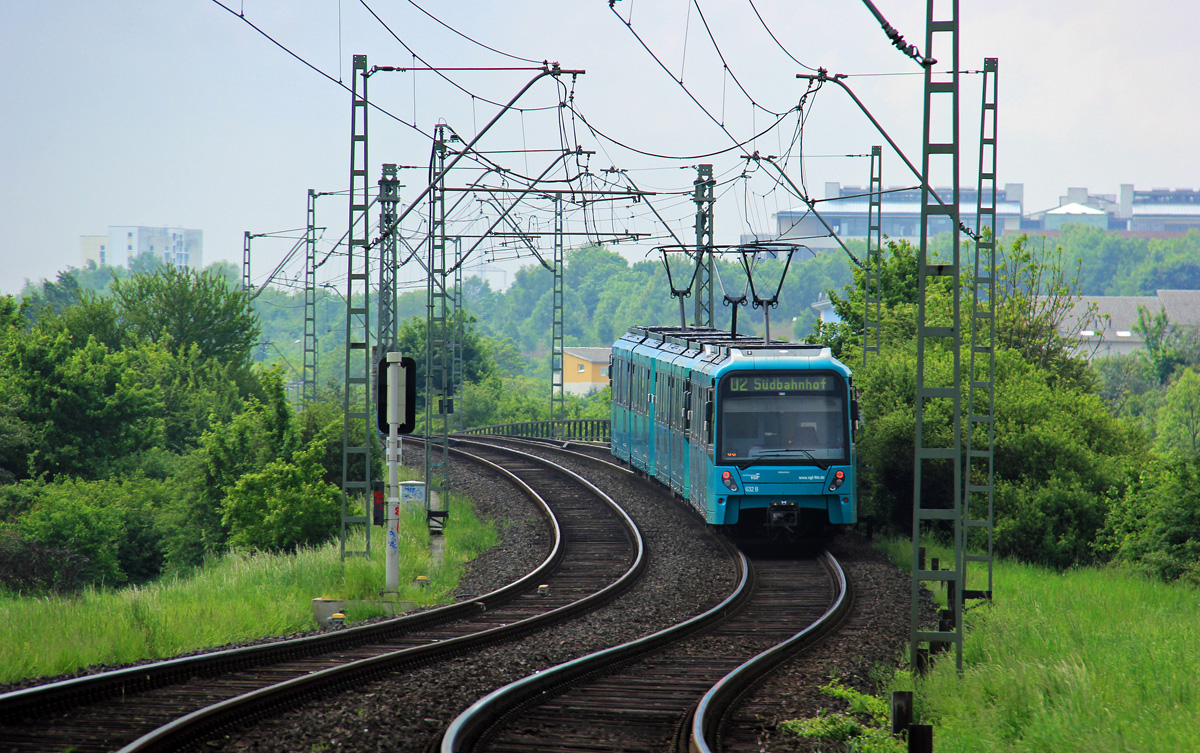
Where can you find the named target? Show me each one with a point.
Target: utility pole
(459, 318)
(389, 196)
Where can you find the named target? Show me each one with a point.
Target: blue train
(741, 429)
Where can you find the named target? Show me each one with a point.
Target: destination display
(776, 383)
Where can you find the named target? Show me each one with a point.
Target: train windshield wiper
(773, 451)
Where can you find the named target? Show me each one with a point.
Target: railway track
(641, 695)
(669, 691)
(596, 554)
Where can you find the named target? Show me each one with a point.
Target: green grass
(1089, 659)
(240, 597)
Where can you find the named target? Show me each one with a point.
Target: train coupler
(783, 515)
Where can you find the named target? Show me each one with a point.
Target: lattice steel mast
(356, 403)
(308, 369)
(246, 284)
(557, 389)
(389, 197)
(439, 346)
(978, 499)
(873, 264)
(938, 459)
(703, 197)
(460, 324)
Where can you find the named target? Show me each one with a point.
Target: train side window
(643, 403)
(634, 399)
(687, 405)
(675, 402)
(708, 420)
(665, 400)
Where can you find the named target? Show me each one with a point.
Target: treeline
(148, 418)
(1094, 462)
(1111, 264)
(137, 438)
(149, 421)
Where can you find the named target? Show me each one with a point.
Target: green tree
(1124, 381)
(87, 409)
(1037, 294)
(588, 271)
(261, 433)
(285, 505)
(111, 523)
(182, 307)
(1059, 454)
(90, 317)
(477, 360)
(1179, 420)
(1163, 343)
(50, 298)
(1156, 526)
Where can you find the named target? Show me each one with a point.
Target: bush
(112, 524)
(1156, 527)
(27, 567)
(286, 505)
(1059, 456)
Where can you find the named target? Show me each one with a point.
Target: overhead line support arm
(837, 78)
(811, 203)
(553, 70)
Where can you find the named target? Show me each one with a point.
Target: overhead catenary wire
(472, 40)
(725, 63)
(433, 69)
(579, 171)
(674, 78)
(776, 39)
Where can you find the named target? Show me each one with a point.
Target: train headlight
(727, 479)
(838, 478)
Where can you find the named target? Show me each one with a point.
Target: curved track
(652, 704)
(640, 696)
(169, 704)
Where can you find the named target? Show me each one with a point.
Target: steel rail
(469, 731)
(265, 700)
(139, 678)
(712, 710)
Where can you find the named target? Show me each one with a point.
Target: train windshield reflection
(791, 428)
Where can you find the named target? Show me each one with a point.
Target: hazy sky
(179, 113)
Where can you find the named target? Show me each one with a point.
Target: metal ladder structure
(937, 462)
(439, 347)
(246, 262)
(557, 388)
(458, 367)
(873, 270)
(359, 430)
(703, 196)
(978, 497)
(389, 197)
(308, 368)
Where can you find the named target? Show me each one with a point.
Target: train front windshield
(784, 418)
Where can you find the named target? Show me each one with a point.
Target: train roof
(720, 342)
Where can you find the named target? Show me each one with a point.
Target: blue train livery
(741, 429)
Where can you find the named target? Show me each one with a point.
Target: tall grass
(241, 596)
(1089, 659)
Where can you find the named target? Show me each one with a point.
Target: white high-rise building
(173, 245)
